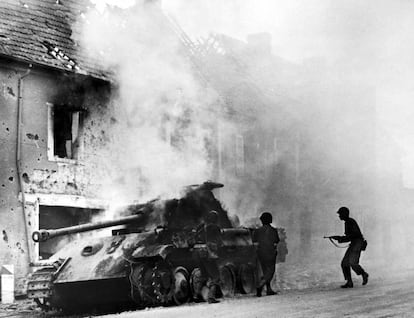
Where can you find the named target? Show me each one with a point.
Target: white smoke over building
(348, 87)
(160, 114)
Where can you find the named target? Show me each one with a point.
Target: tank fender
(152, 251)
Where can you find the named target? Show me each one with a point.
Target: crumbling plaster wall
(39, 175)
(13, 245)
(62, 177)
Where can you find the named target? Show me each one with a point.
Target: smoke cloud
(355, 96)
(160, 119)
(344, 75)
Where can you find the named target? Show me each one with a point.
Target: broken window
(55, 217)
(65, 125)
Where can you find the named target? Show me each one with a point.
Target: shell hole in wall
(32, 137)
(10, 91)
(19, 246)
(25, 177)
(5, 237)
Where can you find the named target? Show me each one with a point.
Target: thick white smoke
(160, 123)
(353, 81)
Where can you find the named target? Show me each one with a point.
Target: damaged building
(55, 104)
(55, 118)
(311, 143)
(48, 95)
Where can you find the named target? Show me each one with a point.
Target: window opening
(66, 124)
(55, 217)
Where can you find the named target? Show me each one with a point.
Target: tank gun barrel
(44, 235)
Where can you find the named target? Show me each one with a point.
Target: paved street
(382, 297)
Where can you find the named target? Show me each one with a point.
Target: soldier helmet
(266, 218)
(343, 211)
(212, 217)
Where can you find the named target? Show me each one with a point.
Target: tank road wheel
(181, 285)
(197, 282)
(162, 282)
(141, 280)
(227, 280)
(136, 280)
(247, 279)
(152, 283)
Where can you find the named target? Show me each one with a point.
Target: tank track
(40, 286)
(40, 283)
(152, 283)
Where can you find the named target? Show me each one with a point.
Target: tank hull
(153, 267)
(112, 272)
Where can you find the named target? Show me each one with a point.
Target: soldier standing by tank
(267, 239)
(351, 258)
(214, 241)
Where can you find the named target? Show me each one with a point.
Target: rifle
(335, 237)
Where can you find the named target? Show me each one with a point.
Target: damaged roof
(41, 32)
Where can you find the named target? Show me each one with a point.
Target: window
(65, 125)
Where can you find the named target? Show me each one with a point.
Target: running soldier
(351, 258)
(267, 239)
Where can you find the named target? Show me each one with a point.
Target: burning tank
(142, 264)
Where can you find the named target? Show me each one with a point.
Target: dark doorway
(55, 217)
